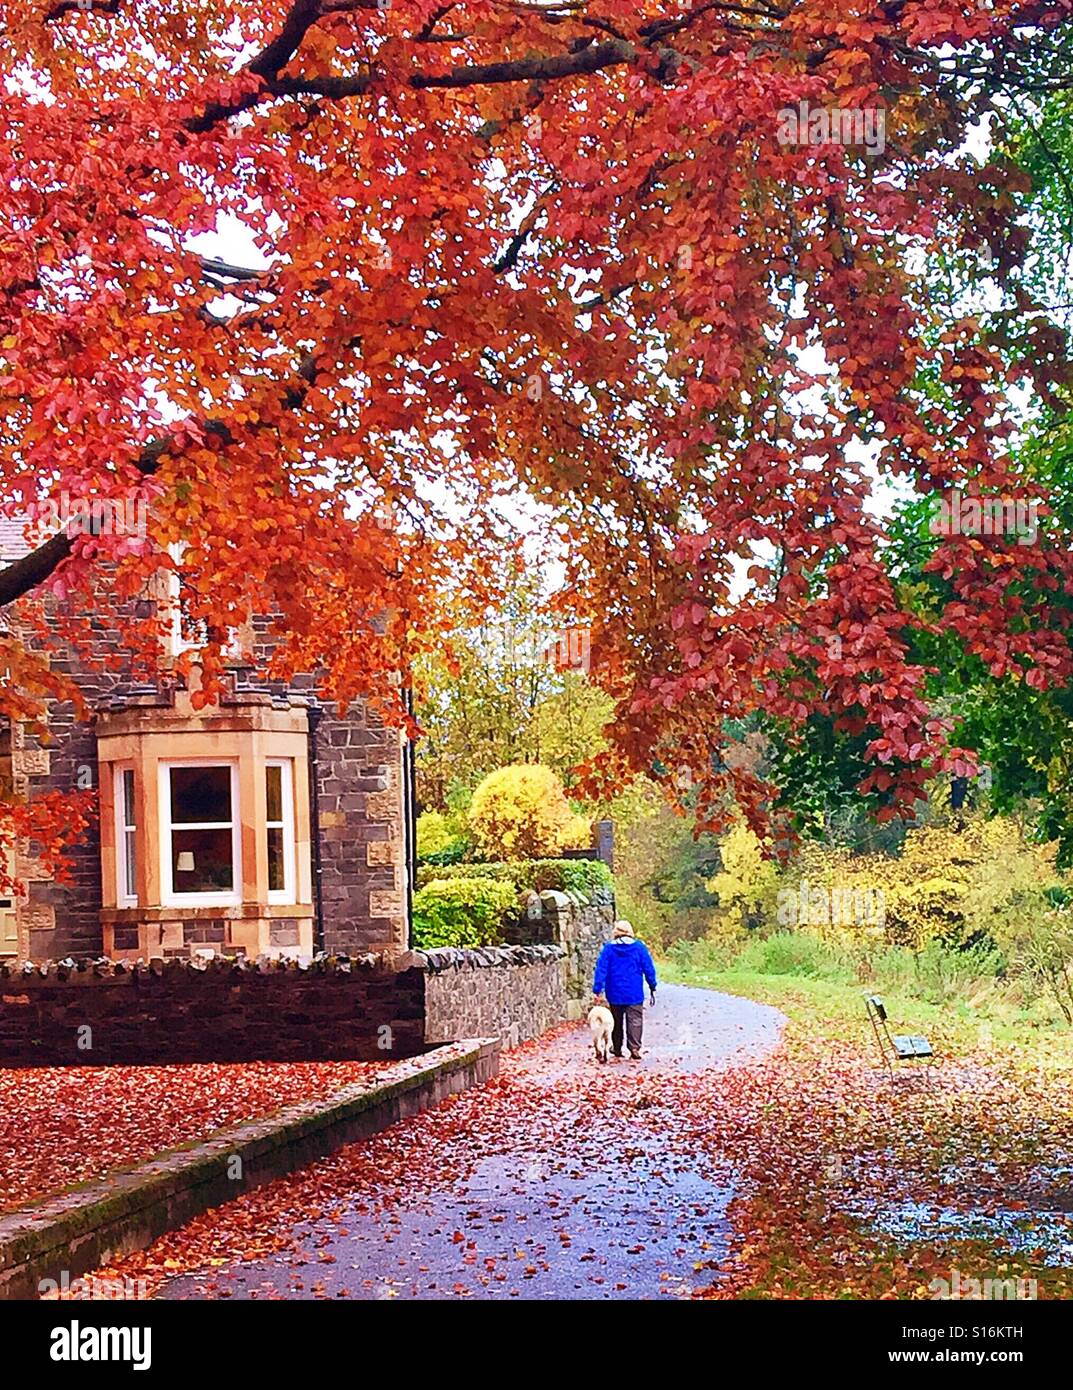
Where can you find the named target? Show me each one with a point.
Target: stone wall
(507, 992)
(102, 1014)
(580, 928)
(57, 919)
(518, 991)
(370, 1007)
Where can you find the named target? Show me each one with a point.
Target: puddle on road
(1050, 1233)
(1041, 1223)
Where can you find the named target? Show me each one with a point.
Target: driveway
(561, 1179)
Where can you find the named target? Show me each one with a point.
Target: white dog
(601, 1022)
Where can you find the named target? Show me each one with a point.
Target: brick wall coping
(486, 957)
(101, 967)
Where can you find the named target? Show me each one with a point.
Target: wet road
(563, 1179)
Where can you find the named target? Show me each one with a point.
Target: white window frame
(288, 893)
(170, 896)
(177, 644)
(123, 896)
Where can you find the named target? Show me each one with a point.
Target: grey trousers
(633, 1016)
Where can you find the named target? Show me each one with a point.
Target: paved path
(563, 1179)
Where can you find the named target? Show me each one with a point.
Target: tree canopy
(564, 248)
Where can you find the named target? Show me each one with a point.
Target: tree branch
(301, 17)
(543, 67)
(23, 575)
(18, 578)
(275, 56)
(224, 270)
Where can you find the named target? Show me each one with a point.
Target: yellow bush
(434, 833)
(521, 812)
(745, 886)
(947, 885)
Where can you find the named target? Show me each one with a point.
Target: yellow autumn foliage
(746, 884)
(521, 812)
(955, 886)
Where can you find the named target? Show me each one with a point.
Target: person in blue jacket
(621, 971)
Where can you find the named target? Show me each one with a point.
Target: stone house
(268, 824)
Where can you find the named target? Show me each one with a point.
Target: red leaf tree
(655, 262)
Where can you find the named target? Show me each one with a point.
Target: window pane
(274, 792)
(129, 838)
(276, 882)
(193, 632)
(128, 797)
(201, 861)
(200, 794)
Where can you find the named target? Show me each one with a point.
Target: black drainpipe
(315, 713)
(409, 772)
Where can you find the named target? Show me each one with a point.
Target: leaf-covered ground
(788, 1170)
(60, 1126)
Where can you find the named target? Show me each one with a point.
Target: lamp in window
(185, 862)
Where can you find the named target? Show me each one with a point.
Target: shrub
(462, 912)
(521, 812)
(1041, 950)
(441, 838)
(588, 878)
(455, 851)
(747, 881)
(433, 833)
(959, 888)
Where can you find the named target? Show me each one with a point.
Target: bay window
(205, 840)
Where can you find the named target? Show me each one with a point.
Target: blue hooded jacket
(624, 966)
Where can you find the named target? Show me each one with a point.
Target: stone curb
(80, 1230)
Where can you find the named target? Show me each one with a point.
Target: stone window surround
(249, 734)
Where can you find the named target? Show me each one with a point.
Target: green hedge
(458, 911)
(588, 878)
